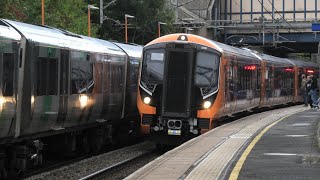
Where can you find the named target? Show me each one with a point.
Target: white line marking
(297, 135)
(240, 136)
(300, 124)
(308, 116)
(279, 154)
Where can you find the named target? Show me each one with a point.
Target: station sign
(315, 27)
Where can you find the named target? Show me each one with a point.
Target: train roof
(275, 59)
(48, 36)
(132, 50)
(235, 50)
(300, 63)
(8, 32)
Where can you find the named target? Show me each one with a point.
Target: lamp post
(89, 14)
(126, 16)
(159, 26)
(42, 11)
(188, 30)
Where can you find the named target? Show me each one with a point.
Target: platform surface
(216, 154)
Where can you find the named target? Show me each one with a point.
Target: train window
(46, 78)
(258, 85)
(98, 70)
(153, 66)
(134, 70)
(206, 71)
(246, 76)
(81, 74)
(8, 73)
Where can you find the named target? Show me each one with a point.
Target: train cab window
(134, 70)
(81, 74)
(206, 71)
(153, 66)
(8, 74)
(46, 78)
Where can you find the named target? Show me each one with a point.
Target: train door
(63, 88)
(44, 99)
(8, 74)
(230, 91)
(268, 85)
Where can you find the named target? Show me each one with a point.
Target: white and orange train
(187, 83)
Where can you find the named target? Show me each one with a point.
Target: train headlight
(207, 104)
(84, 99)
(147, 100)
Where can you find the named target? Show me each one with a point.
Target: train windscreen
(206, 72)
(152, 68)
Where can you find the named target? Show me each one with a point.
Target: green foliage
(70, 15)
(143, 28)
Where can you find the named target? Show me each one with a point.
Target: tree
(143, 28)
(70, 15)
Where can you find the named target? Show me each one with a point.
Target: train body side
(70, 82)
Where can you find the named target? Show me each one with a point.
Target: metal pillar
(316, 9)
(294, 10)
(262, 8)
(251, 13)
(305, 10)
(101, 11)
(230, 10)
(272, 11)
(240, 11)
(283, 9)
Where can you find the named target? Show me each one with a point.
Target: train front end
(178, 87)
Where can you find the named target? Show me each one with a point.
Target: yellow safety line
(236, 170)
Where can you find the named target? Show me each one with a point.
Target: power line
(273, 17)
(282, 16)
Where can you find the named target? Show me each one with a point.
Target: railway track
(105, 172)
(53, 165)
(100, 165)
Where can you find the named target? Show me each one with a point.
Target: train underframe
(18, 155)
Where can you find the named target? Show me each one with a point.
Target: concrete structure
(275, 24)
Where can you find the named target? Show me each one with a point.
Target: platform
(278, 144)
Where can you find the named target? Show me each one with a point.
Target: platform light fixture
(42, 12)
(89, 14)
(159, 27)
(126, 16)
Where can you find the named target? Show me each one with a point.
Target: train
(60, 91)
(188, 83)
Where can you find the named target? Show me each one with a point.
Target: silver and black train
(53, 82)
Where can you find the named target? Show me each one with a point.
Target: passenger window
(81, 74)
(47, 76)
(8, 73)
